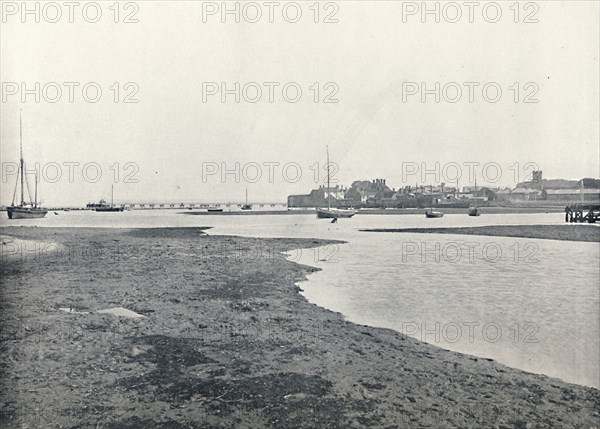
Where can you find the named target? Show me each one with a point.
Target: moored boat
(329, 212)
(474, 211)
(22, 212)
(103, 207)
(432, 214)
(247, 206)
(333, 213)
(109, 209)
(25, 210)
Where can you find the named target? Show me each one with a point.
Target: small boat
(474, 211)
(333, 213)
(109, 209)
(329, 212)
(432, 214)
(214, 209)
(103, 207)
(24, 210)
(247, 206)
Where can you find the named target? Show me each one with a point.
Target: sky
(380, 68)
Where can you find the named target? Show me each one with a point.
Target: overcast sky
(372, 60)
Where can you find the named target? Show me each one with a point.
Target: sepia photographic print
(300, 214)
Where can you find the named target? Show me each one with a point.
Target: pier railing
(579, 213)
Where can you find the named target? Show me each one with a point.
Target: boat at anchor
(432, 214)
(329, 212)
(103, 207)
(24, 210)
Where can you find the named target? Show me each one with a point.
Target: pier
(582, 213)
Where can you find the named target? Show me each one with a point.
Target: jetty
(582, 213)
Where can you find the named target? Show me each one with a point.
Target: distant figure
(334, 220)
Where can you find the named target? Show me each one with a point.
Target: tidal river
(528, 303)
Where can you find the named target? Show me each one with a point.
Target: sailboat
(329, 212)
(23, 210)
(106, 208)
(247, 206)
(432, 214)
(474, 210)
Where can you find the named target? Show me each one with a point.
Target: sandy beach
(173, 328)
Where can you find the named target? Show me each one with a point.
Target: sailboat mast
(112, 195)
(22, 161)
(246, 196)
(328, 196)
(35, 197)
(581, 192)
(475, 189)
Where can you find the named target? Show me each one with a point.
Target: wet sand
(227, 341)
(568, 232)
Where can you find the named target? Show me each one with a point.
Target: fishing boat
(24, 210)
(329, 212)
(214, 209)
(247, 206)
(103, 207)
(432, 214)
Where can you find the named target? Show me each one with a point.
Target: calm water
(531, 304)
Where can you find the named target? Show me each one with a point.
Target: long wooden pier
(588, 213)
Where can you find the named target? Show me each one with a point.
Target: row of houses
(562, 195)
(376, 193)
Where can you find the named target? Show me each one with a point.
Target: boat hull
(433, 215)
(26, 212)
(474, 211)
(334, 213)
(109, 209)
(214, 210)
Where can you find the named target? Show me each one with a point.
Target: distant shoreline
(420, 212)
(311, 210)
(566, 232)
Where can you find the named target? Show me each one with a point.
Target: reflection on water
(531, 304)
(536, 309)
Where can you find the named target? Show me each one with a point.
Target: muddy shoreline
(567, 232)
(227, 341)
